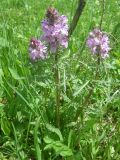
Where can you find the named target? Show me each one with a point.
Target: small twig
(77, 15)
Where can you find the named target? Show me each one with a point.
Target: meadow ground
(27, 90)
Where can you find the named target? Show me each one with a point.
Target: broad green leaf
(2, 157)
(62, 149)
(70, 137)
(1, 74)
(5, 126)
(48, 146)
(44, 85)
(3, 42)
(15, 74)
(48, 140)
(66, 153)
(58, 147)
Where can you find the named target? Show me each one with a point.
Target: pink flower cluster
(98, 42)
(55, 28)
(37, 49)
(55, 34)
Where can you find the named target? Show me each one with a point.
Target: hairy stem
(77, 15)
(57, 83)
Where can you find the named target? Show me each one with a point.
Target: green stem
(57, 83)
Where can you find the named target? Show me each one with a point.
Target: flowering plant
(55, 35)
(55, 29)
(98, 42)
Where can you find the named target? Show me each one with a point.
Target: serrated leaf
(80, 89)
(54, 130)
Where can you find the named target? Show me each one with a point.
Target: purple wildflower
(36, 49)
(55, 28)
(98, 42)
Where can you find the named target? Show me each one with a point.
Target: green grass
(27, 90)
